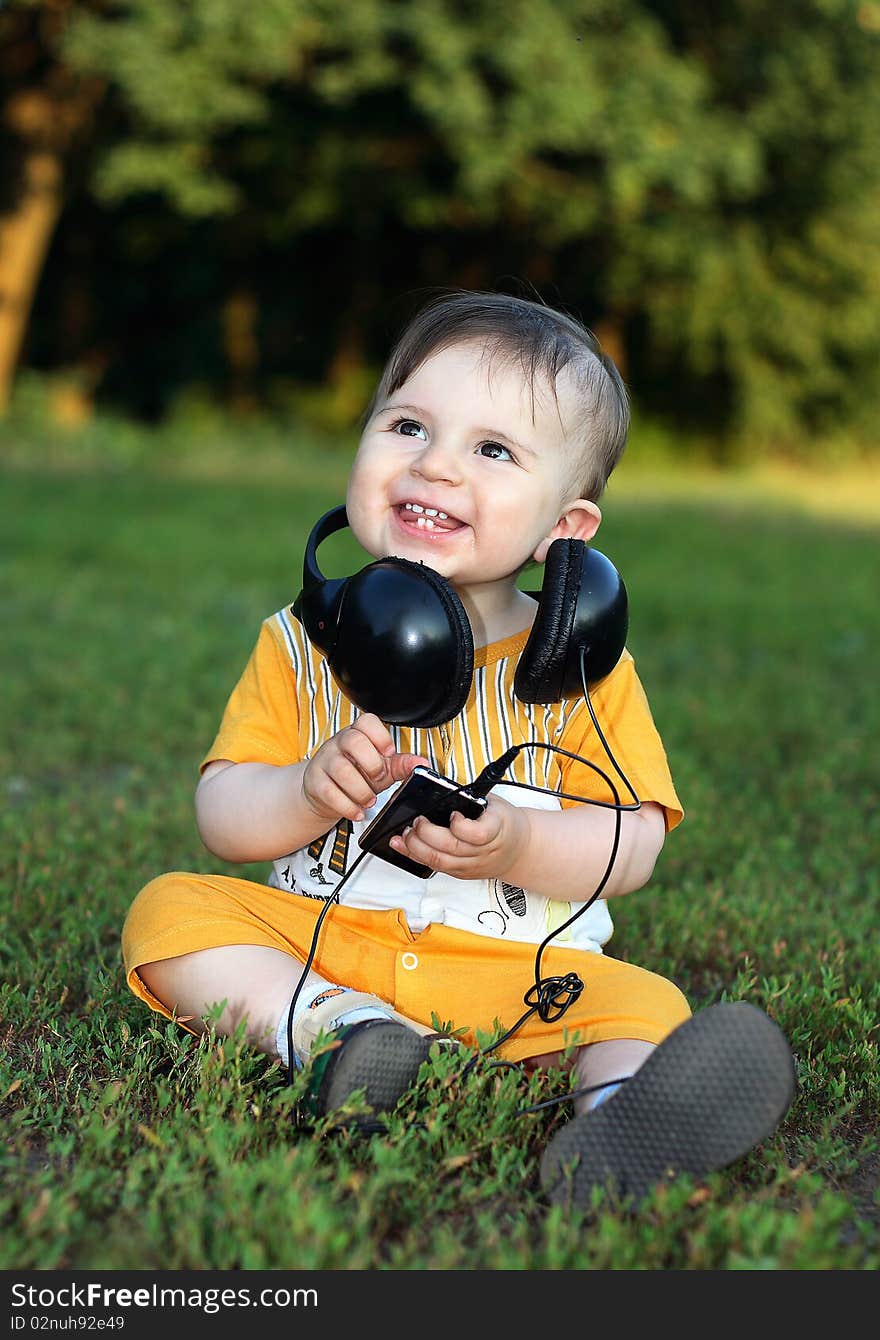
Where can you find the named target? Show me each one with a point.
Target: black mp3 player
(424, 792)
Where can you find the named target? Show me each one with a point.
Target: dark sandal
(713, 1089)
(377, 1055)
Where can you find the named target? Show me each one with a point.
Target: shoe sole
(381, 1057)
(718, 1085)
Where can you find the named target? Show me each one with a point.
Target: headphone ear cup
(541, 668)
(582, 606)
(403, 647)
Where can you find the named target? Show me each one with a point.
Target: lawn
(131, 596)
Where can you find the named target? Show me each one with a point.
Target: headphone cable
(333, 898)
(548, 997)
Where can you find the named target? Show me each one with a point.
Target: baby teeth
(426, 511)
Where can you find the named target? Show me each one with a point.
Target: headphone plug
(493, 773)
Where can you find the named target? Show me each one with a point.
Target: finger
(351, 782)
(362, 754)
(476, 832)
(401, 766)
(437, 835)
(376, 732)
(408, 844)
(333, 801)
(424, 836)
(365, 749)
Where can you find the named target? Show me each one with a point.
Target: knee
(672, 1004)
(151, 907)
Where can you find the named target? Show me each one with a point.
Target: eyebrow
(491, 433)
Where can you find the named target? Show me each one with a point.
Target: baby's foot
(369, 1046)
(715, 1087)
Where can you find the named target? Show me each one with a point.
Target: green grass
(130, 600)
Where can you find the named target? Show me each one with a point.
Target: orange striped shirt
(286, 705)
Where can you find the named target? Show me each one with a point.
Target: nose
(438, 461)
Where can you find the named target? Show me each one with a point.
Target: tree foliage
(702, 182)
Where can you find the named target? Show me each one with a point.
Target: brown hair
(544, 341)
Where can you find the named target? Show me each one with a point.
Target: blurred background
(215, 217)
(216, 211)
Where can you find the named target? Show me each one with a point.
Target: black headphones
(399, 644)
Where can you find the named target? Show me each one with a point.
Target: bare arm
(254, 811)
(258, 812)
(567, 852)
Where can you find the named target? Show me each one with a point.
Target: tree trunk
(25, 234)
(46, 120)
(240, 315)
(609, 333)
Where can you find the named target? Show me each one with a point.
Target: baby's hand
(347, 773)
(484, 848)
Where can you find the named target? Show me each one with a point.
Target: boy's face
(464, 470)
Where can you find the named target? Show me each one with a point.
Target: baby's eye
(410, 428)
(494, 450)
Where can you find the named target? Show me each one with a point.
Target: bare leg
(597, 1063)
(603, 1061)
(257, 984)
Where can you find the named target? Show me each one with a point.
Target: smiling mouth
(423, 518)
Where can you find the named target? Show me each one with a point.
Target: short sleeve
(624, 715)
(261, 721)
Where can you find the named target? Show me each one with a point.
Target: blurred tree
(774, 294)
(46, 110)
(560, 124)
(701, 182)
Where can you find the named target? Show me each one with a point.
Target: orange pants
(473, 981)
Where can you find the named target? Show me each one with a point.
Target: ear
(580, 521)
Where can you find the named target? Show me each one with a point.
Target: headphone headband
(331, 522)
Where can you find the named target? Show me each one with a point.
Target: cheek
(357, 511)
(364, 501)
(363, 480)
(372, 464)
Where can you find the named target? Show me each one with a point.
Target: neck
(497, 610)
